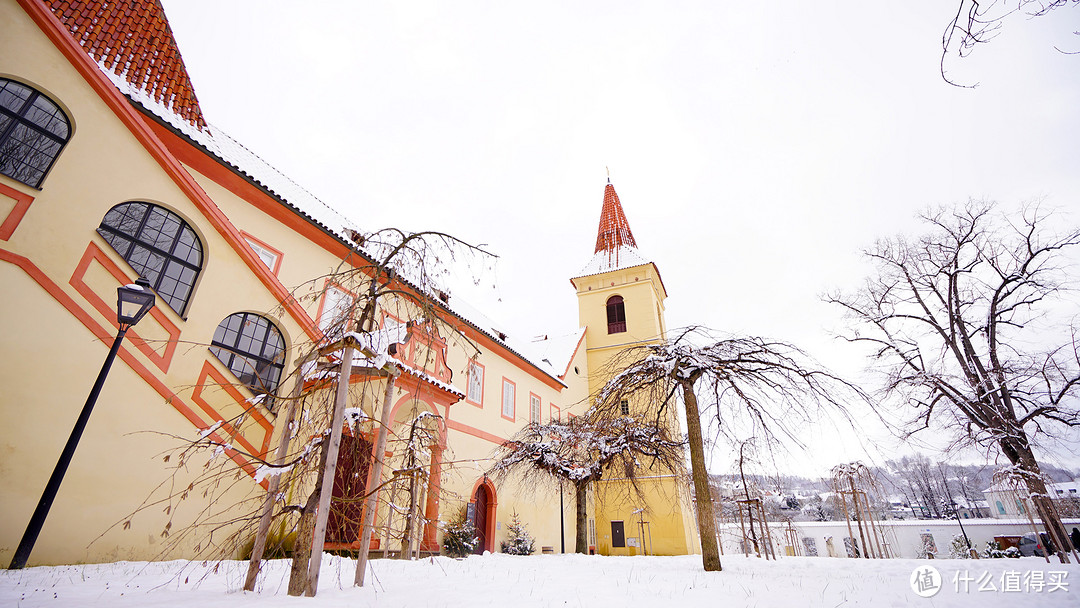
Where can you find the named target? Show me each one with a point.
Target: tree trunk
(273, 484)
(1018, 452)
(710, 555)
(298, 578)
(581, 542)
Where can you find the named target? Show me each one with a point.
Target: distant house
(1004, 503)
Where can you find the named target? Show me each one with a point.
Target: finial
(608, 173)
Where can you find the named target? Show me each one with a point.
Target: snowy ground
(561, 580)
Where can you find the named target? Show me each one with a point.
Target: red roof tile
(614, 231)
(133, 39)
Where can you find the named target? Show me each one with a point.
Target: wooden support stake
(376, 476)
(330, 469)
(273, 485)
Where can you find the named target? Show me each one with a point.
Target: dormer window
(616, 315)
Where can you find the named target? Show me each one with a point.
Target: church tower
(621, 305)
(620, 292)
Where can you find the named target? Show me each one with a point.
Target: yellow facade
(662, 502)
(166, 387)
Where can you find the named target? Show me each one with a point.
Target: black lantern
(132, 304)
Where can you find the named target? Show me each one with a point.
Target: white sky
(756, 148)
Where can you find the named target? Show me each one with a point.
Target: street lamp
(132, 304)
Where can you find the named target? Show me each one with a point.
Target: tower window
(33, 130)
(616, 315)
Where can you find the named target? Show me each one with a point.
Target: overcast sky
(757, 148)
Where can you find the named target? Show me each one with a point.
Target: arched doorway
(483, 508)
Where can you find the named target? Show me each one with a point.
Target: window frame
(260, 248)
(475, 366)
(349, 297)
(507, 383)
(236, 351)
(136, 239)
(554, 413)
(18, 117)
(616, 314)
(536, 406)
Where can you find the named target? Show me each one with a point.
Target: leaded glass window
(252, 348)
(159, 245)
(33, 130)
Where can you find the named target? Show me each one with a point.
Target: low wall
(903, 537)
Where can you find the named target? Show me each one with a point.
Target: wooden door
(481, 519)
(350, 483)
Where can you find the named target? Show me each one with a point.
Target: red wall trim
(94, 253)
(475, 432)
(572, 355)
(209, 372)
(22, 203)
(131, 118)
(125, 355)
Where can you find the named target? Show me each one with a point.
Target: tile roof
(614, 231)
(615, 245)
(133, 40)
(134, 47)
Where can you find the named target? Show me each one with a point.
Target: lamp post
(132, 304)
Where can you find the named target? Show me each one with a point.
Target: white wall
(903, 537)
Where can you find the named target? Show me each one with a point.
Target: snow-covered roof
(607, 260)
(232, 153)
(554, 351)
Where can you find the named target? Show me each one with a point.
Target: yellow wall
(57, 332)
(52, 354)
(664, 498)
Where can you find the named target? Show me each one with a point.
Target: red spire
(614, 231)
(133, 39)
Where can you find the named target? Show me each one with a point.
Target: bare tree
(966, 323)
(752, 386)
(389, 271)
(581, 450)
(978, 22)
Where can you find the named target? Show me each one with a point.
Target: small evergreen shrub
(459, 537)
(993, 551)
(519, 541)
(958, 547)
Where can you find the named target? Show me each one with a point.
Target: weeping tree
(748, 385)
(582, 450)
(969, 324)
(388, 271)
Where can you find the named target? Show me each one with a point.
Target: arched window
(616, 315)
(252, 348)
(159, 246)
(33, 130)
